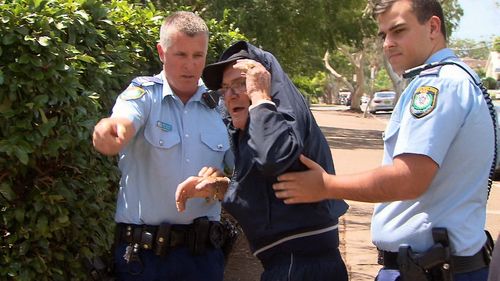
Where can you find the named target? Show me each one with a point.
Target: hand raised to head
(258, 79)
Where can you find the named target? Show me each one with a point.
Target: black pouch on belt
(198, 236)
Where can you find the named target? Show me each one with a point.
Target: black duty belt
(161, 238)
(460, 264)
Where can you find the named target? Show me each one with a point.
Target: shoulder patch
(423, 101)
(132, 93)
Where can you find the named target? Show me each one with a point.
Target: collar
(441, 55)
(167, 90)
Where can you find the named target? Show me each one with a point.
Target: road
(356, 146)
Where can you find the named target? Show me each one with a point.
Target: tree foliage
(496, 44)
(470, 48)
(297, 32)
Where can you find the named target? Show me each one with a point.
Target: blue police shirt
(441, 114)
(173, 141)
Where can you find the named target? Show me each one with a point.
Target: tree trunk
(397, 81)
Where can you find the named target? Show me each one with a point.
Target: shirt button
(185, 112)
(187, 160)
(161, 143)
(220, 146)
(186, 135)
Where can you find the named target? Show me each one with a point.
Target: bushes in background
(62, 64)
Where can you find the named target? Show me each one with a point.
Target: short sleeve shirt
(173, 141)
(444, 116)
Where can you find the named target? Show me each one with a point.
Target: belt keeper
(136, 235)
(123, 233)
(162, 239)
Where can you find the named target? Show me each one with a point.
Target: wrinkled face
(406, 42)
(183, 61)
(233, 91)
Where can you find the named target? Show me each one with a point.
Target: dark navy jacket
(269, 146)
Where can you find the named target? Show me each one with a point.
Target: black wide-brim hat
(212, 73)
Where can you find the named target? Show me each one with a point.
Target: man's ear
(435, 26)
(161, 52)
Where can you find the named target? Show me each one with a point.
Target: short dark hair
(423, 9)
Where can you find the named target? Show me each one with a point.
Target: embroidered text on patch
(423, 101)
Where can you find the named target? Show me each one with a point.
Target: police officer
(438, 151)
(270, 126)
(164, 131)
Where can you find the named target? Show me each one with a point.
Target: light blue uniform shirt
(458, 136)
(173, 141)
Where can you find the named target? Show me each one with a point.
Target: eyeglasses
(237, 87)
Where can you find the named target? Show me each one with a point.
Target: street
(357, 146)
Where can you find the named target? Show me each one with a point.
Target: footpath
(356, 145)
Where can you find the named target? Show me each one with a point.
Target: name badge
(164, 126)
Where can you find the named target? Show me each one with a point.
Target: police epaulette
(425, 69)
(146, 81)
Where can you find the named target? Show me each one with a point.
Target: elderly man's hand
(194, 187)
(258, 80)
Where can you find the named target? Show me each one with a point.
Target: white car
(382, 101)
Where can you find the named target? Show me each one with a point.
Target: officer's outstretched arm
(112, 134)
(407, 178)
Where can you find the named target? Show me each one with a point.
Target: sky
(480, 21)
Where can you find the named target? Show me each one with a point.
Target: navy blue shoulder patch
(146, 81)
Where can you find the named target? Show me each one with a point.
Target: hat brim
(212, 73)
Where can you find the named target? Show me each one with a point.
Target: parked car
(382, 101)
(345, 97)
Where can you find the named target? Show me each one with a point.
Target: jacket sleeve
(274, 142)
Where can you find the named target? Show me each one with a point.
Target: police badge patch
(132, 93)
(423, 101)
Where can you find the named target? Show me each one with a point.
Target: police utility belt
(199, 235)
(436, 264)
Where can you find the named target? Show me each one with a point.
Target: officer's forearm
(407, 178)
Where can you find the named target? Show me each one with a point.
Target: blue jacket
(271, 144)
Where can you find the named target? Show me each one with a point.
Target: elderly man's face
(233, 90)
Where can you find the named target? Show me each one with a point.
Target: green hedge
(62, 64)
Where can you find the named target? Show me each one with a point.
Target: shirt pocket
(161, 139)
(215, 141)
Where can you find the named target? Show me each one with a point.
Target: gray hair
(188, 23)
